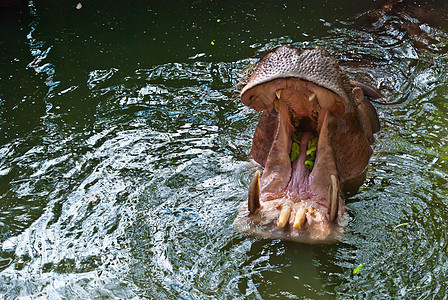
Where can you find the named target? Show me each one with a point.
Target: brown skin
(294, 202)
(407, 16)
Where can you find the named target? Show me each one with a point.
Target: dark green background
(124, 152)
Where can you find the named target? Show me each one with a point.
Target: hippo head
(312, 141)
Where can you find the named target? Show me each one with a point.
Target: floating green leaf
(399, 225)
(358, 269)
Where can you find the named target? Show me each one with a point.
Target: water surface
(124, 153)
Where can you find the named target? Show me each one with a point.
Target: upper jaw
(296, 92)
(314, 66)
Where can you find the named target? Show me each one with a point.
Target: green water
(124, 153)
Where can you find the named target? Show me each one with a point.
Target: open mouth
(312, 142)
(293, 152)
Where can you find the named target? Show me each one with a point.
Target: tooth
(311, 97)
(300, 218)
(254, 193)
(284, 216)
(333, 193)
(278, 93)
(276, 104)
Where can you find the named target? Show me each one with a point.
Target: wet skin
(312, 143)
(407, 17)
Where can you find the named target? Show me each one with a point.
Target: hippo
(312, 143)
(407, 20)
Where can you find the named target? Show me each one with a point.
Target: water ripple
(128, 185)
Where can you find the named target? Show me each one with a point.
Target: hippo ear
(368, 90)
(367, 113)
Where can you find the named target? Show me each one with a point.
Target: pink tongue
(299, 176)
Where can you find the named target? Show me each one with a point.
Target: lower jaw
(277, 216)
(316, 230)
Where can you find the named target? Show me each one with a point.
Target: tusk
(300, 218)
(284, 216)
(311, 97)
(333, 193)
(254, 193)
(276, 104)
(278, 93)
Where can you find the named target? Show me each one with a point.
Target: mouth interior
(303, 155)
(300, 119)
(297, 197)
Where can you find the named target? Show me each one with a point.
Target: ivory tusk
(333, 194)
(276, 104)
(254, 193)
(278, 93)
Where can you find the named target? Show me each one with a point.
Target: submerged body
(313, 142)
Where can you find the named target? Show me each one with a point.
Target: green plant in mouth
(311, 151)
(295, 148)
